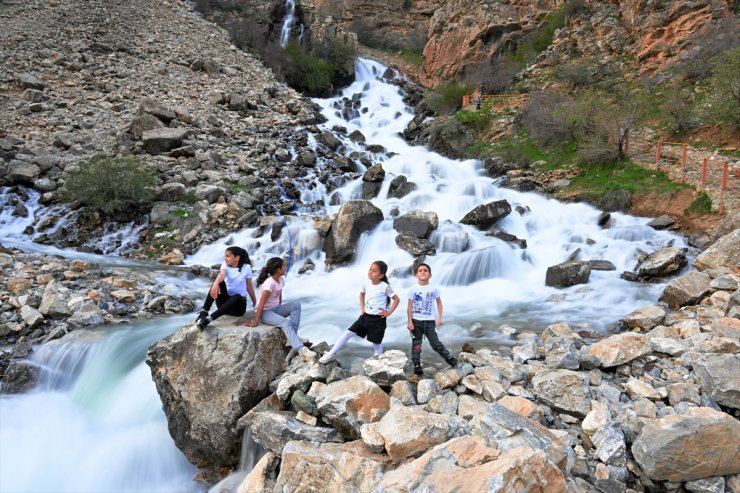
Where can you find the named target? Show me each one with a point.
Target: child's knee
(416, 347)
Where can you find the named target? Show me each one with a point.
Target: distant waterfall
(288, 22)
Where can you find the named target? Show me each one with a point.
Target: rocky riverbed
(653, 408)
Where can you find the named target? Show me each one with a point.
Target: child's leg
(417, 337)
(434, 341)
(378, 349)
(271, 317)
(234, 305)
(348, 334)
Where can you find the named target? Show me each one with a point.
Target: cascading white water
(287, 22)
(483, 279)
(95, 422)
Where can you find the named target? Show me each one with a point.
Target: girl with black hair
(374, 298)
(271, 310)
(230, 289)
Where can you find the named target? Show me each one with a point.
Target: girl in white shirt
(374, 310)
(230, 289)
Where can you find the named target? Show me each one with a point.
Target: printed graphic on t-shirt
(376, 297)
(423, 304)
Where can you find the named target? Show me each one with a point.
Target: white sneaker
(327, 358)
(306, 354)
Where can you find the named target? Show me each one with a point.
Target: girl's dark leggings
(234, 304)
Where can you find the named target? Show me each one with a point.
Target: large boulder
(208, 380)
(564, 390)
(415, 246)
(273, 430)
(686, 290)
(417, 223)
(617, 349)
(568, 274)
(164, 139)
(22, 172)
(486, 215)
(354, 218)
(700, 443)
(662, 262)
(329, 467)
(408, 432)
(725, 252)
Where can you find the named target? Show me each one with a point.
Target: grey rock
(416, 223)
(22, 172)
(273, 430)
(662, 222)
(387, 368)
(160, 140)
(568, 274)
(720, 377)
(564, 390)
(486, 215)
(415, 246)
(354, 218)
(19, 377)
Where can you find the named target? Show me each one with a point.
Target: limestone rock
(725, 252)
(564, 390)
(208, 380)
(273, 430)
(618, 349)
(662, 262)
(686, 290)
(645, 318)
(164, 139)
(720, 377)
(701, 443)
(348, 404)
(416, 223)
(387, 368)
(354, 218)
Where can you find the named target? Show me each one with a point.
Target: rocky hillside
(150, 78)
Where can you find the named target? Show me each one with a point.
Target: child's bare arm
(439, 311)
(409, 315)
(362, 302)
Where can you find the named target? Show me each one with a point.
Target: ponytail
(271, 267)
(242, 254)
(383, 267)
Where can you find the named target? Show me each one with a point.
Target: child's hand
(214, 291)
(439, 321)
(384, 313)
(410, 326)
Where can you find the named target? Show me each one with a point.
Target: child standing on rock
(272, 311)
(374, 298)
(230, 289)
(422, 300)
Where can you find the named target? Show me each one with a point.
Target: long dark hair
(383, 267)
(242, 254)
(271, 267)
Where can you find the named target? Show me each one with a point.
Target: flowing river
(95, 424)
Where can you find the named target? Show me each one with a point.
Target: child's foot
(418, 370)
(306, 354)
(327, 358)
(308, 344)
(202, 314)
(452, 361)
(203, 322)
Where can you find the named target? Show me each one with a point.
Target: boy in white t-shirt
(422, 301)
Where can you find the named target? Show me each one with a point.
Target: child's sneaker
(452, 361)
(418, 370)
(327, 358)
(203, 322)
(201, 315)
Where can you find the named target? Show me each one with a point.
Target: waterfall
(483, 280)
(288, 22)
(94, 423)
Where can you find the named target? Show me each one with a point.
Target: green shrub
(117, 186)
(724, 101)
(447, 97)
(702, 204)
(479, 120)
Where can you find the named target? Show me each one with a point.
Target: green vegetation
(724, 103)
(306, 72)
(476, 119)
(702, 204)
(181, 213)
(624, 176)
(446, 97)
(117, 186)
(411, 56)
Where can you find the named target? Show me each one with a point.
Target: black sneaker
(201, 315)
(308, 344)
(451, 361)
(418, 370)
(203, 322)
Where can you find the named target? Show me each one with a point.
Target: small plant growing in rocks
(117, 186)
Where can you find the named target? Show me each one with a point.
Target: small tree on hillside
(724, 101)
(678, 104)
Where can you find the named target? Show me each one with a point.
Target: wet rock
(348, 404)
(485, 216)
(354, 218)
(568, 274)
(174, 257)
(32, 317)
(699, 444)
(261, 479)
(53, 302)
(19, 377)
(415, 246)
(602, 265)
(202, 402)
(662, 222)
(662, 262)
(416, 223)
(399, 187)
